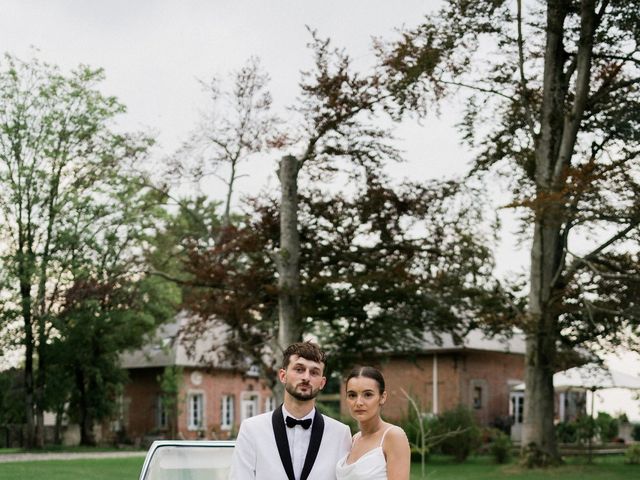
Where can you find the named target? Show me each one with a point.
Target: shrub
(500, 447)
(503, 423)
(632, 454)
(586, 427)
(635, 432)
(607, 427)
(466, 441)
(566, 432)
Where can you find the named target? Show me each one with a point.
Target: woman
(380, 450)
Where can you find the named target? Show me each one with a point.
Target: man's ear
(282, 375)
(323, 383)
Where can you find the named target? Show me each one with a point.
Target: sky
(154, 53)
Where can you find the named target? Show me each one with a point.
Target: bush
(635, 432)
(632, 454)
(566, 432)
(586, 427)
(500, 447)
(461, 444)
(607, 427)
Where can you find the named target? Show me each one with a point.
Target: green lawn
(438, 468)
(483, 468)
(102, 469)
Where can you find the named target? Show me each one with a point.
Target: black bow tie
(292, 422)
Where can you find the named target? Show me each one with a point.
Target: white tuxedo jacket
(262, 449)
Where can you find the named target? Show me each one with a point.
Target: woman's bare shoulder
(396, 434)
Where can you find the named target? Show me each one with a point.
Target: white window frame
(196, 417)
(227, 414)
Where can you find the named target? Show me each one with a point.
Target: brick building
(480, 374)
(211, 403)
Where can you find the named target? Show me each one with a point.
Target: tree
(238, 124)
(372, 280)
(554, 110)
(335, 107)
(62, 171)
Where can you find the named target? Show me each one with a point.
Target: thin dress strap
(384, 435)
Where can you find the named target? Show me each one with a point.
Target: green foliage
(586, 428)
(170, 382)
(12, 399)
(500, 446)
(632, 454)
(566, 432)
(635, 432)
(76, 219)
(607, 427)
(464, 443)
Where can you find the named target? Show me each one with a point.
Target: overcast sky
(154, 52)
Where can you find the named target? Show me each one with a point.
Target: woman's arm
(398, 454)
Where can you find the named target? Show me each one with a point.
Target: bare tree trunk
(559, 125)
(25, 294)
(289, 328)
(538, 425)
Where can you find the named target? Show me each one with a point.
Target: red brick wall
(214, 386)
(493, 371)
(140, 396)
(143, 389)
(457, 373)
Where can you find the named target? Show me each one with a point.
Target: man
(295, 441)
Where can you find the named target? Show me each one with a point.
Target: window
(227, 415)
(249, 405)
(161, 413)
(196, 411)
(269, 404)
(477, 397)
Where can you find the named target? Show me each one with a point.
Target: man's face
(303, 378)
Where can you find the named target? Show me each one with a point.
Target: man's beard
(299, 395)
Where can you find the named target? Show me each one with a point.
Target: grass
(483, 468)
(94, 469)
(438, 468)
(61, 448)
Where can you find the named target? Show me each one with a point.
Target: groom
(295, 441)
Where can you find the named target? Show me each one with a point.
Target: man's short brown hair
(307, 350)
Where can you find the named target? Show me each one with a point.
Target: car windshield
(179, 462)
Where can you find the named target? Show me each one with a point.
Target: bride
(380, 450)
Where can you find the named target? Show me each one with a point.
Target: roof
(591, 377)
(165, 348)
(475, 340)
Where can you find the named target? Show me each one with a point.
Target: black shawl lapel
(314, 444)
(280, 432)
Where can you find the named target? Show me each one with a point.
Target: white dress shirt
(299, 439)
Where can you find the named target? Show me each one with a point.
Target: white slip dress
(370, 466)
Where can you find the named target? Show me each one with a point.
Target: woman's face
(364, 398)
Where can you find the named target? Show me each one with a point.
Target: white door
(516, 411)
